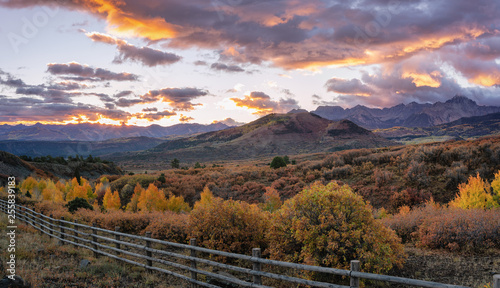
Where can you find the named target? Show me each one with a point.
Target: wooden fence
(188, 264)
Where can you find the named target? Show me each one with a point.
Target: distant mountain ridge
(463, 128)
(99, 132)
(410, 115)
(273, 134)
(82, 148)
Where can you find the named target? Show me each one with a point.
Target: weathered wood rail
(137, 248)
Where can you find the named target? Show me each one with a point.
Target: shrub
(168, 226)
(329, 226)
(406, 223)
(78, 203)
(231, 226)
(459, 229)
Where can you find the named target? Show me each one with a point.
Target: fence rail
(137, 248)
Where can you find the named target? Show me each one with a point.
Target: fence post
(61, 234)
(117, 238)
(39, 221)
(148, 253)
(51, 232)
(496, 281)
(75, 233)
(354, 280)
(256, 266)
(94, 239)
(194, 275)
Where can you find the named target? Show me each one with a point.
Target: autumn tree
(177, 204)
(329, 226)
(495, 187)
(111, 201)
(474, 194)
(52, 193)
(132, 205)
(152, 199)
(272, 200)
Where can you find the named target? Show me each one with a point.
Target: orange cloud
(262, 103)
(421, 79)
(128, 24)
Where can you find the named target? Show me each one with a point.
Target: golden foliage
(111, 201)
(230, 225)
(152, 199)
(329, 226)
(474, 194)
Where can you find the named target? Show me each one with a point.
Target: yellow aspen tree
(28, 184)
(152, 200)
(111, 201)
(474, 194)
(495, 187)
(206, 198)
(177, 204)
(132, 205)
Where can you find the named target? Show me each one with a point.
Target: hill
(464, 128)
(99, 132)
(411, 115)
(11, 165)
(274, 134)
(82, 148)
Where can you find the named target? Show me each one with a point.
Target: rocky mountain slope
(411, 115)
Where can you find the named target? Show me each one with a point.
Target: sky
(143, 62)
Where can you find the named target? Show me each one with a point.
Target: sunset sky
(143, 62)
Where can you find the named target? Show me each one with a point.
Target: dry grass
(43, 263)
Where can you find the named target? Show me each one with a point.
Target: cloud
(145, 55)
(8, 79)
(156, 116)
(185, 119)
(263, 104)
(353, 87)
(226, 68)
(293, 34)
(87, 72)
(179, 98)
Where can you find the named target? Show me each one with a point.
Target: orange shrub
(329, 226)
(133, 223)
(459, 229)
(231, 226)
(168, 226)
(406, 222)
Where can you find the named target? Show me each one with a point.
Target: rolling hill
(11, 165)
(274, 134)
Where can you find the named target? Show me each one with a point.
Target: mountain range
(463, 128)
(99, 132)
(410, 115)
(271, 135)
